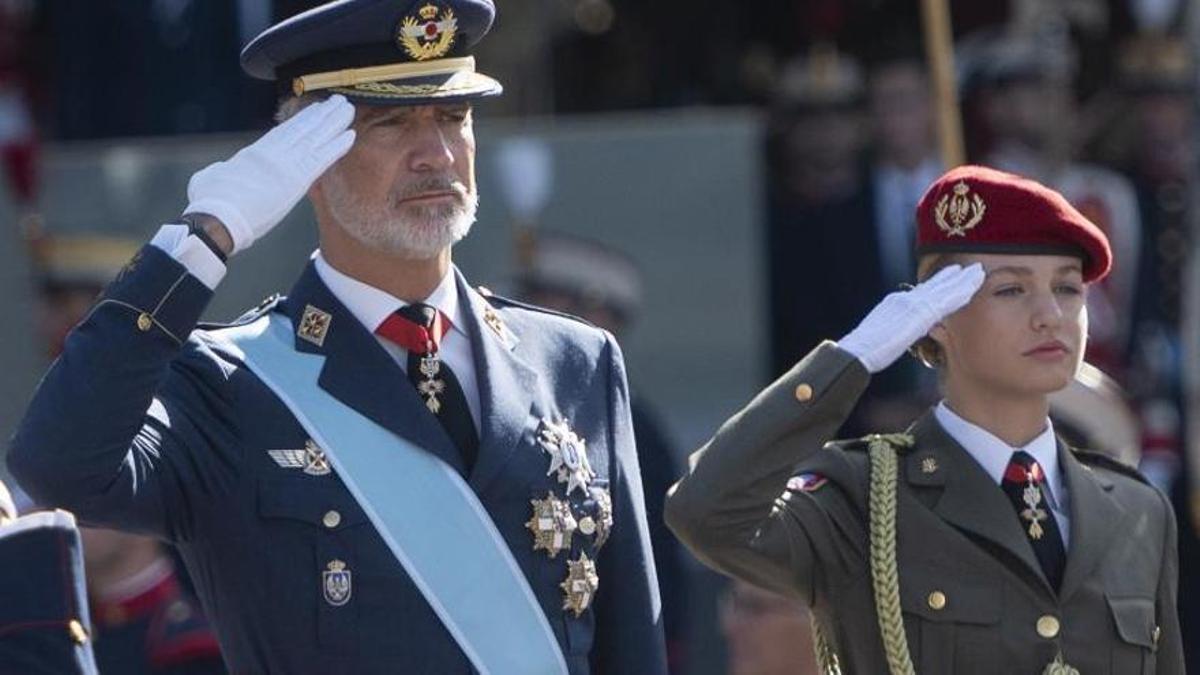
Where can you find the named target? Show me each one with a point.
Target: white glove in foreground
(904, 317)
(253, 190)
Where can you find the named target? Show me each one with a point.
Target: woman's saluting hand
(904, 317)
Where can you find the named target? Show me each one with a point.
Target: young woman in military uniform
(975, 542)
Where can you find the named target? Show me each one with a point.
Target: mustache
(432, 184)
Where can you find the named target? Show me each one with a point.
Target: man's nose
(430, 147)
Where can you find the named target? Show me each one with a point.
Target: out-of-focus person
(600, 284)
(1022, 85)
(145, 621)
(1157, 76)
(44, 624)
(18, 135)
(818, 201)
(766, 633)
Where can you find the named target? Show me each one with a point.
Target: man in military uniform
(387, 471)
(44, 624)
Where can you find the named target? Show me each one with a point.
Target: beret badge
(957, 213)
(428, 35)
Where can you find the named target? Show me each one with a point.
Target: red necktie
(1025, 484)
(419, 329)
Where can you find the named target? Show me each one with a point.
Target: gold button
(937, 600)
(587, 526)
(804, 392)
(78, 632)
(1047, 627)
(332, 519)
(144, 322)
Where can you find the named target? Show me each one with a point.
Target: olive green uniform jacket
(973, 596)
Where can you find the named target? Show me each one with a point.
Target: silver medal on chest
(568, 456)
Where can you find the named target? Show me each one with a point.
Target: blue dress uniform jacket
(141, 427)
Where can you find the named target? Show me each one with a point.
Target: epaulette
(263, 308)
(1109, 462)
(501, 301)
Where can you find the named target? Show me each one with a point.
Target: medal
(1032, 496)
(568, 456)
(604, 515)
(580, 585)
(552, 524)
(431, 387)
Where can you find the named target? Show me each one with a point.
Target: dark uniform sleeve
(629, 630)
(732, 508)
(44, 623)
(127, 427)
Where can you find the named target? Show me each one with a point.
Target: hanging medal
(432, 386)
(1033, 513)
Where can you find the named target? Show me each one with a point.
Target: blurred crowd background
(722, 184)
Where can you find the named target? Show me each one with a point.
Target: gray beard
(419, 233)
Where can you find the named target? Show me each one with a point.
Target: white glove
(253, 190)
(904, 317)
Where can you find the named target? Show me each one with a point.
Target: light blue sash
(426, 513)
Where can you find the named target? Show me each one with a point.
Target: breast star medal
(1032, 496)
(552, 524)
(604, 515)
(580, 585)
(431, 387)
(568, 456)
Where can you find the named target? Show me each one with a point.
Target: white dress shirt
(368, 304)
(994, 455)
(371, 306)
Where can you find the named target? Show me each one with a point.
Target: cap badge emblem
(957, 213)
(428, 35)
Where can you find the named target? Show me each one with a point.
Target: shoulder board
(262, 309)
(499, 301)
(1093, 458)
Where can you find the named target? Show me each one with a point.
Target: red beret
(974, 209)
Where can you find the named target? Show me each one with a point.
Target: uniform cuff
(191, 252)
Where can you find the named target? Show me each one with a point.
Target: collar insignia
(314, 324)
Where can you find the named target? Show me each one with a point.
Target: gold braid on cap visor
(396, 71)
